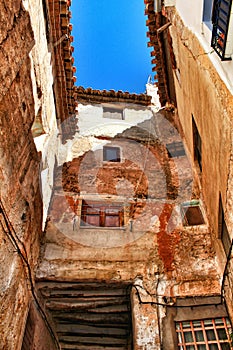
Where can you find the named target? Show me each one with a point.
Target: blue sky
(110, 44)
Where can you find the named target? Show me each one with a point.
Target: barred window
(209, 334)
(222, 32)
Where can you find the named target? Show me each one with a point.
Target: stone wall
(21, 204)
(44, 129)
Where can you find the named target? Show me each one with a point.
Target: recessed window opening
(191, 214)
(222, 229)
(197, 144)
(113, 112)
(102, 214)
(207, 12)
(111, 154)
(175, 149)
(204, 334)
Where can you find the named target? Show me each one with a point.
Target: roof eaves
(154, 22)
(60, 31)
(99, 96)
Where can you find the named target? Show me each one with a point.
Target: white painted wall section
(191, 13)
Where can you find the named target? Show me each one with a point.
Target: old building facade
(115, 207)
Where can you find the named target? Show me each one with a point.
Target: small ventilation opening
(192, 214)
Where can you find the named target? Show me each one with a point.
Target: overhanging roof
(99, 96)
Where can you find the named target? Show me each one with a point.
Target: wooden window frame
(100, 214)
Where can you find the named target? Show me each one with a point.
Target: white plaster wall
(169, 2)
(191, 13)
(152, 91)
(92, 124)
(42, 77)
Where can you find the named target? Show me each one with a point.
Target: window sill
(103, 228)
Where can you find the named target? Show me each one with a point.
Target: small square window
(175, 149)
(113, 112)
(111, 154)
(192, 214)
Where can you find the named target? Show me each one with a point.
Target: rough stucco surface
(18, 159)
(19, 172)
(169, 259)
(44, 128)
(157, 254)
(207, 98)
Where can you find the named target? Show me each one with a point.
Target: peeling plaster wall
(92, 125)
(154, 254)
(146, 322)
(210, 102)
(46, 130)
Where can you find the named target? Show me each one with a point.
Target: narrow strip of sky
(111, 45)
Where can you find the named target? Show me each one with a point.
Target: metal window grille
(209, 334)
(220, 19)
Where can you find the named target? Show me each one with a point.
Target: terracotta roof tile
(60, 36)
(90, 95)
(154, 22)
